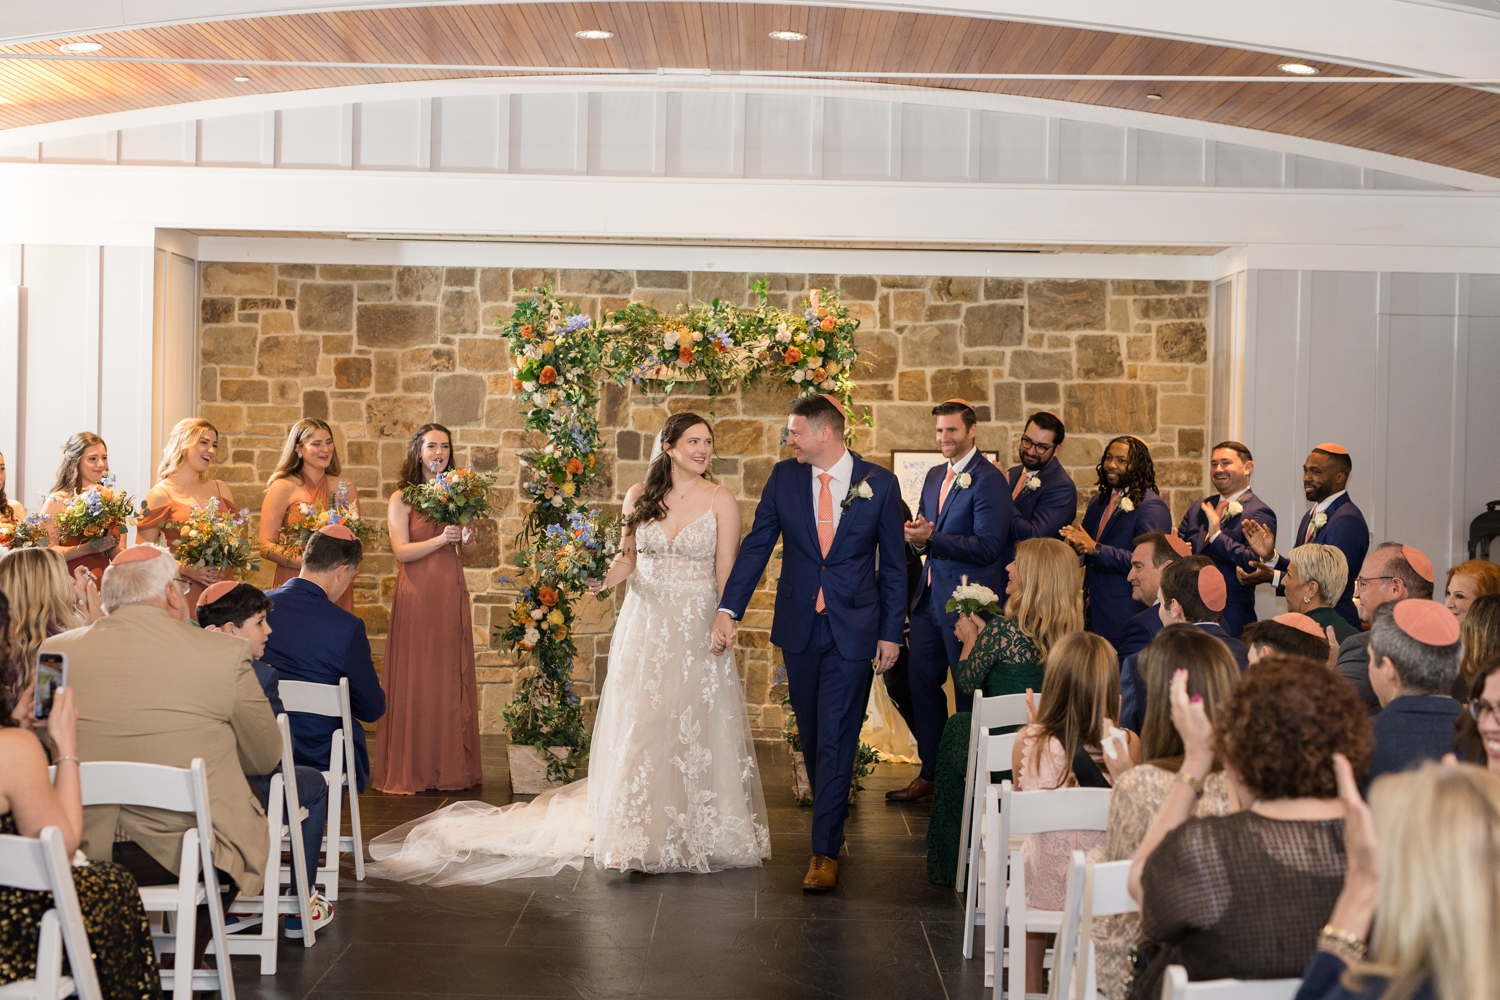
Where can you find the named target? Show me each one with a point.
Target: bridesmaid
(85, 462)
(308, 472)
(11, 511)
(180, 486)
(429, 737)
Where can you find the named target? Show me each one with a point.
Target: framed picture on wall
(911, 468)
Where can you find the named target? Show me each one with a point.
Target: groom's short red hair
(819, 412)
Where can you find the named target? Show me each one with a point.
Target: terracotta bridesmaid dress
(177, 510)
(319, 495)
(95, 562)
(429, 737)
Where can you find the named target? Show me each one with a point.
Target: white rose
(528, 386)
(671, 338)
(533, 636)
(828, 383)
(537, 613)
(1319, 519)
(799, 375)
(863, 490)
(1127, 505)
(1234, 509)
(697, 336)
(1034, 483)
(963, 480)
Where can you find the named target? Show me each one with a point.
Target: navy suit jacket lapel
(804, 504)
(856, 476)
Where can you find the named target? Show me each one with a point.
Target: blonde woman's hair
(69, 479)
(1326, 566)
(290, 463)
(183, 437)
(1048, 602)
(1439, 872)
(42, 602)
(1080, 689)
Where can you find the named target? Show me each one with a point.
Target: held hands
(595, 587)
(86, 594)
(1192, 724)
(1262, 574)
(721, 639)
(453, 534)
(918, 532)
(885, 655)
(1079, 539)
(1260, 539)
(967, 628)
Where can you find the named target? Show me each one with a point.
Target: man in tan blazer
(152, 687)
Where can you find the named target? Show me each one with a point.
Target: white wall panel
(1091, 153)
(1388, 181)
(1342, 370)
(1315, 173)
(125, 360)
(1420, 504)
(1484, 295)
(1482, 417)
(10, 384)
(238, 140)
(1422, 295)
(315, 137)
(471, 133)
(1274, 352)
(705, 135)
(783, 136)
(392, 135)
(1168, 160)
(1246, 166)
(1014, 148)
(858, 140)
(935, 144)
(98, 147)
(624, 133)
(26, 152)
(170, 144)
(547, 133)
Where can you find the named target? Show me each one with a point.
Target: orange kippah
(216, 591)
(836, 404)
(1211, 589)
(961, 402)
(1331, 448)
(1179, 546)
(337, 531)
(1301, 622)
(1428, 622)
(1418, 561)
(137, 553)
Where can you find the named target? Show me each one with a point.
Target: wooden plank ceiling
(1447, 125)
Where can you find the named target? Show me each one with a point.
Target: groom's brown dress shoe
(822, 874)
(918, 789)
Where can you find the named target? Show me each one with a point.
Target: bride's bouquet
(455, 497)
(28, 534)
(96, 513)
(214, 538)
(342, 509)
(572, 554)
(972, 598)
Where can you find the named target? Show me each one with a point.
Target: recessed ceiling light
(1153, 97)
(789, 36)
(242, 79)
(1298, 69)
(594, 34)
(81, 47)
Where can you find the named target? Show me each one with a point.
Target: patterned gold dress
(119, 935)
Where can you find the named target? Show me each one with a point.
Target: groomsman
(962, 527)
(1154, 552)
(1333, 520)
(1216, 528)
(1125, 505)
(1044, 495)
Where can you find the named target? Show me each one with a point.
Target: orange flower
(591, 461)
(548, 375)
(574, 466)
(547, 596)
(528, 332)
(560, 633)
(819, 374)
(685, 356)
(515, 385)
(792, 356)
(827, 324)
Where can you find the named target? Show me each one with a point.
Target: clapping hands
(1260, 539)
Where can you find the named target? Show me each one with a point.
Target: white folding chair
(1024, 814)
(333, 701)
(1094, 890)
(269, 906)
(986, 873)
(41, 865)
(183, 790)
(988, 713)
(1176, 987)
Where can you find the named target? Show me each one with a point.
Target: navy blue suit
(1139, 632)
(315, 640)
(1228, 550)
(1133, 684)
(969, 536)
(1107, 590)
(827, 656)
(1039, 513)
(1411, 729)
(1346, 531)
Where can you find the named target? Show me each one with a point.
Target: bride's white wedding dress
(673, 782)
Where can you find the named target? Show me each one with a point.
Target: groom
(835, 514)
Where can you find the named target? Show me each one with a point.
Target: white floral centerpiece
(972, 598)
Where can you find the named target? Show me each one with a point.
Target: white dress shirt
(842, 472)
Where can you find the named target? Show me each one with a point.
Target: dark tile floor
(748, 934)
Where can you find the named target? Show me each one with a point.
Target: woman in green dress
(1315, 577)
(1002, 656)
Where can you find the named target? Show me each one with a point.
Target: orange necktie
(1020, 482)
(1114, 498)
(825, 523)
(1310, 529)
(942, 495)
(1222, 504)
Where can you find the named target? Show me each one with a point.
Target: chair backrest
(23, 863)
(1054, 809)
(129, 783)
(1176, 987)
(994, 754)
(312, 699)
(1001, 710)
(41, 865)
(1112, 889)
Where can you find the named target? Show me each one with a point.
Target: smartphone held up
(51, 674)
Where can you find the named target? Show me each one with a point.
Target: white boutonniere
(1033, 484)
(1126, 504)
(858, 491)
(1234, 509)
(962, 481)
(1319, 519)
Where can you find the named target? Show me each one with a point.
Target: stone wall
(377, 351)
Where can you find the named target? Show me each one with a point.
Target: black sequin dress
(119, 935)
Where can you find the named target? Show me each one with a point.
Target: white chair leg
(328, 871)
(994, 892)
(185, 920)
(49, 953)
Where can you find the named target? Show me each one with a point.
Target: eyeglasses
(183, 585)
(1478, 709)
(1031, 445)
(1361, 582)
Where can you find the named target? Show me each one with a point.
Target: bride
(673, 782)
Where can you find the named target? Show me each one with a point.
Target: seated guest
(1154, 551)
(1243, 896)
(240, 609)
(1480, 627)
(152, 687)
(1414, 652)
(110, 901)
(1422, 853)
(1139, 791)
(1190, 595)
(1479, 727)
(1392, 572)
(313, 639)
(1289, 633)
(1469, 580)
(1064, 748)
(1315, 576)
(1004, 656)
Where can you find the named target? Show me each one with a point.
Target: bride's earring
(1307, 600)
